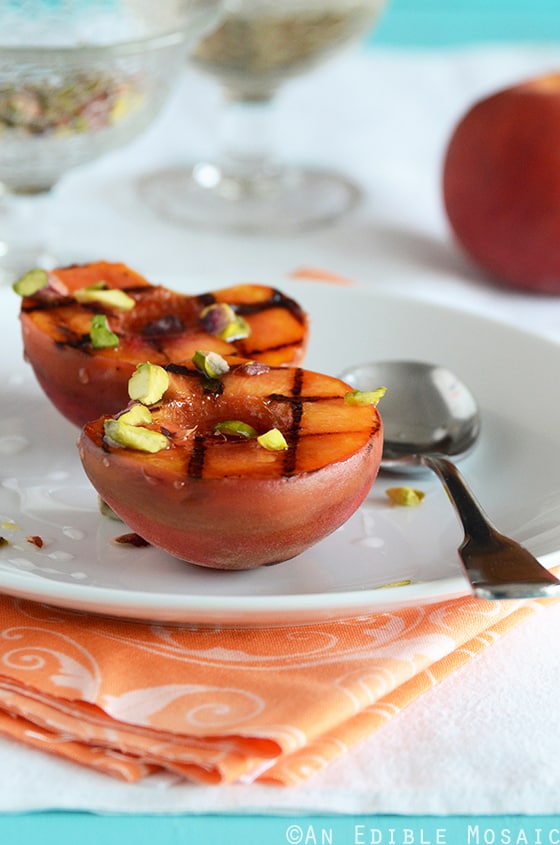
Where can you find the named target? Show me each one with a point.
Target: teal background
(70, 828)
(453, 22)
(408, 23)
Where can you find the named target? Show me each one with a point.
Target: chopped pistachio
(405, 496)
(210, 363)
(237, 330)
(221, 320)
(272, 440)
(100, 293)
(236, 428)
(101, 335)
(136, 415)
(100, 285)
(120, 433)
(8, 525)
(364, 397)
(148, 383)
(107, 510)
(402, 583)
(31, 282)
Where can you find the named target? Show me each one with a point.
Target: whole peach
(501, 184)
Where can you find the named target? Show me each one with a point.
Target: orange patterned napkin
(220, 705)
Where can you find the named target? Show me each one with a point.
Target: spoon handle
(497, 567)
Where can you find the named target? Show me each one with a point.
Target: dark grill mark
(276, 300)
(180, 370)
(183, 371)
(293, 400)
(292, 435)
(46, 303)
(74, 341)
(195, 468)
(142, 289)
(83, 342)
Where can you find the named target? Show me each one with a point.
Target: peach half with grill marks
(86, 327)
(235, 467)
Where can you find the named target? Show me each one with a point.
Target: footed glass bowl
(79, 78)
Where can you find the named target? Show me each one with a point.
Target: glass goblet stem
(246, 165)
(246, 188)
(25, 232)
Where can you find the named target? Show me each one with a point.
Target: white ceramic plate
(515, 471)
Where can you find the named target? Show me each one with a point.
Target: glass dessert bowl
(76, 81)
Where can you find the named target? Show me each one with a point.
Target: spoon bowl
(429, 416)
(427, 410)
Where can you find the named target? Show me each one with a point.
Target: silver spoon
(429, 416)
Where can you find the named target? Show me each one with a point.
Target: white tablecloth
(487, 739)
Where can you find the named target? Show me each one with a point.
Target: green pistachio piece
(236, 330)
(137, 415)
(272, 440)
(101, 335)
(403, 583)
(148, 383)
(405, 496)
(100, 285)
(364, 397)
(119, 433)
(237, 428)
(8, 525)
(31, 282)
(107, 510)
(210, 363)
(100, 293)
(221, 320)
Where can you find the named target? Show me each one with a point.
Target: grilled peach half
(239, 469)
(85, 330)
